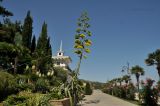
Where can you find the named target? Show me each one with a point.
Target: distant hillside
(95, 84)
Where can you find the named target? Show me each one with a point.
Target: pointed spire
(60, 52)
(60, 49)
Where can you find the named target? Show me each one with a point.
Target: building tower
(60, 52)
(60, 60)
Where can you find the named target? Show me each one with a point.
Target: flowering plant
(149, 94)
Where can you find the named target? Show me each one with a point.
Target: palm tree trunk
(137, 77)
(126, 87)
(138, 89)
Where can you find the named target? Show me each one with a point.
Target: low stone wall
(61, 102)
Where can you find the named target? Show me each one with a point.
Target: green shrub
(88, 89)
(22, 83)
(27, 99)
(33, 77)
(57, 93)
(61, 74)
(42, 85)
(123, 91)
(15, 100)
(131, 92)
(38, 100)
(7, 85)
(21, 79)
(25, 86)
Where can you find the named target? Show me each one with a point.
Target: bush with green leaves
(58, 93)
(33, 77)
(119, 91)
(22, 83)
(26, 98)
(60, 74)
(15, 100)
(131, 89)
(7, 85)
(39, 100)
(42, 85)
(88, 89)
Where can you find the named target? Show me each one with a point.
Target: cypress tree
(43, 50)
(42, 41)
(27, 31)
(33, 44)
(49, 48)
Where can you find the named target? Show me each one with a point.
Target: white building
(60, 60)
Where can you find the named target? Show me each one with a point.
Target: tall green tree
(9, 41)
(43, 50)
(33, 44)
(43, 38)
(8, 30)
(12, 51)
(137, 71)
(154, 59)
(27, 31)
(49, 47)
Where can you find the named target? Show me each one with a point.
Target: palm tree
(154, 59)
(137, 71)
(120, 81)
(126, 78)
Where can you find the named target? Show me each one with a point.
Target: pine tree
(27, 31)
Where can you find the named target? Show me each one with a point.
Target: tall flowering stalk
(82, 41)
(81, 46)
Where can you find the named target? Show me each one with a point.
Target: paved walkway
(99, 98)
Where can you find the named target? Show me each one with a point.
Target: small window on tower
(60, 54)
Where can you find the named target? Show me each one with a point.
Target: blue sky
(123, 30)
